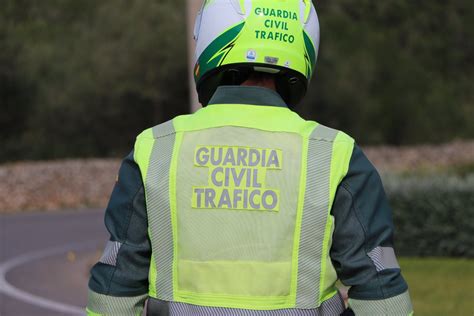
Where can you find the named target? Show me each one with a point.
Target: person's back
(245, 208)
(249, 209)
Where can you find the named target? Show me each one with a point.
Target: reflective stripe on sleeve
(99, 304)
(110, 253)
(398, 305)
(384, 258)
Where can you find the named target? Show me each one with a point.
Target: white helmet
(237, 37)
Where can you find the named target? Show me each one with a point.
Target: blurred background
(79, 80)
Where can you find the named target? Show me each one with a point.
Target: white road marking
(26, 297)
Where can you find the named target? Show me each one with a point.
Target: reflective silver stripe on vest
(315, 214)
(332, 306)
(159, 211)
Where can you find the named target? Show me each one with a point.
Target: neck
(268, 83)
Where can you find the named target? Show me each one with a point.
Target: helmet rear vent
(293, 80)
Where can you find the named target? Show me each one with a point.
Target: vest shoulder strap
(325, 133)
(163, 129)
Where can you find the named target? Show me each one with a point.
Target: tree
(83, 78)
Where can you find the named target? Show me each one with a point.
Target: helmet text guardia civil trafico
(237, 37)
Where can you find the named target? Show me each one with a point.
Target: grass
(440, 286)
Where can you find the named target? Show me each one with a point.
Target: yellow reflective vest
(239, 200)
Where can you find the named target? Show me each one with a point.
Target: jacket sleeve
(362, 251)
(118, 283)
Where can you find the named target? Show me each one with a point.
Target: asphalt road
(45, 260)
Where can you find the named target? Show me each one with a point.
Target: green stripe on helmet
(310, 55)
(215, 53)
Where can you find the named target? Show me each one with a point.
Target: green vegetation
(395, 71)
(440, 286)
(462, 170)
(82, 78)
(433, 214)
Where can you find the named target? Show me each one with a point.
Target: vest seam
(240, 126)
(156, 137)
(165, 135)
(322, 139)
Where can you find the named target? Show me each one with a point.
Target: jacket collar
(247, 95)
